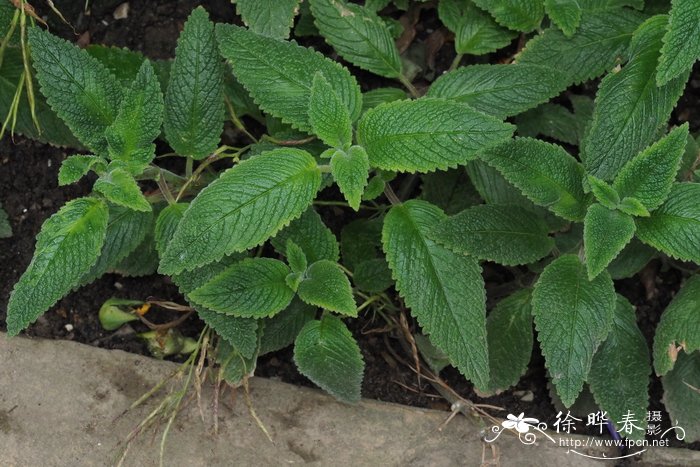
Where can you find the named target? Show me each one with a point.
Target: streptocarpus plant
(251, 254)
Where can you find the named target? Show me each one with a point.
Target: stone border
(60, 404)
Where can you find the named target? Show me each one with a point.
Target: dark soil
(29, 193)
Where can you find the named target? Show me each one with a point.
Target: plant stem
(411, 88)
(188, 167)
(389, 192)
(455, 62)
(165, 190)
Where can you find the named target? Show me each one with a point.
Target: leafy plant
(608, 190)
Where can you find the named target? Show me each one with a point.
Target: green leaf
(680, 45)
(633, 207)
(76, 167)
(629, 107)
(509, 331)
(544, 172)
(143, 261)
(126, 230)
(500, 90)
(325, 285)
(605, 234)
(252, 288)
(476, 32)
(53, 130)
(679, 328)
(358, 35)
(272, 18)
(119, 187)
(375, 97)
(604, 193)
(361, 240)
(296, 257)
(507, 235)
(427, 134)
(519, 15)
(649, 176)
(564, 13)
(326, 353)
(279, 75)
(138, 121)
(329, 117)
(281, 330)
(194, 101)
(619, 376)
(552, 120)
(350, 170)
(373, 275)
(77, 87)
(443, 289)
(681, 395)
(674, 228)
(631, 260)
(601, 38)
(5, 226)
(451, 191)
(167, 223)
(311, 234)
(244, 207)
(573, 316)
(67, 246)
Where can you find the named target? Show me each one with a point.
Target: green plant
(253, 257)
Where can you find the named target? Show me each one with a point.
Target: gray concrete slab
(60, 404)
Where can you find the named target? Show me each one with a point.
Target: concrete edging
(59, 403)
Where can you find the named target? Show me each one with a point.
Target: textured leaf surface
(509, 330)
(619, 376)
(605, 234)
(573, 316)
(358, 35)
(77, 87)
(631, 260)
(138, 120)
(508, 235)
(325, 285)
(361, 240)
(681, 398)
(427, 134)
(674, 228)
(519, 15)
(681, 47)
(166, 224)
(327, 354)
(53, 130)
(240, 333)
(311, 234)
(565, 13)
(194, 103)
(350, 170)
(544, 172)
(272, 18)
(679, 327)
(500, 90)
(630, 108)
(443, 289)
(252, 288)
(599, 42)
(648, 177)
(329, 117)
(451, 191)
(244, 207)
(373, 275)
(604, 193)
(296, 257)
(476, 32)
(279, 75)
(76, 167)
(67, 246)
(119, 187)
(126, 230)
(281, 330)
